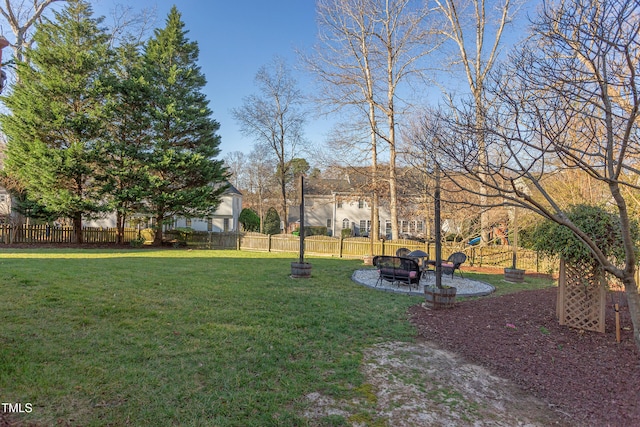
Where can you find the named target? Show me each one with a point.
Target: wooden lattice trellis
(581, 297)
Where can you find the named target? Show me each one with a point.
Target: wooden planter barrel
(514, 275)
(300, 270)
(437, 298)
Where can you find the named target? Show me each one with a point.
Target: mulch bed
(586, 377)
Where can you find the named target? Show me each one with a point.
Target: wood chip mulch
(584, 376)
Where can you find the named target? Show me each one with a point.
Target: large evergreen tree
(186, 179)
(124, 172)
(57, 114)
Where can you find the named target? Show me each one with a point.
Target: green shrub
(272, 222)
(315, 231)
(249, 219)
(311, 231)
(138, 242)
(599, 224)
(181, 235)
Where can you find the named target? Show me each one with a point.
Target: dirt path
(418, 384)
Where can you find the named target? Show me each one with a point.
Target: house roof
(232, 190)
(357, 181)
(326, 187)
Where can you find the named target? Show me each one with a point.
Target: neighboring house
(340, 204)
(225, 218)
(5, 205)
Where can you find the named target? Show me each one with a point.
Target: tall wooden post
(372, 233)
(515, 237)
(438, 230)
(301, 268)
(301, 260)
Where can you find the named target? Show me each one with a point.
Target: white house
(225, 218)
(339, 204)
(5, 205)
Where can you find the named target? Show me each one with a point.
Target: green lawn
(177, 337)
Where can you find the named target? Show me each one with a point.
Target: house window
(329, 223)
(340, 204)
(188, 222)
(345, 223)
(3, 198)
(209, 224)
(387, 227)
(404, 226)
(360, 204)
(420, 226)
(365, 226)
(226, 224)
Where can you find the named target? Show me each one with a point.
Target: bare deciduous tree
(477, 35)
(343, 63)
(21, 15)
(275, 119)
(236, 163)
(260, 181)
(129, 26)
(367, 50)
(567, 101)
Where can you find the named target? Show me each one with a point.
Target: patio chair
(422, 259)
(398, 270)
(453, 263)
(402, 252)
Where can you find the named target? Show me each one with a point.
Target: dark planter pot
(437, 298)
(300, 270)
(513, 275)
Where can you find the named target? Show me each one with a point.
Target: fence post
(268, 242)
(340, 249)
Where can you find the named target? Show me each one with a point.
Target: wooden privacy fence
(352, 247)
(358, 247)
(200, 239)
(502, 256)
(43, 233)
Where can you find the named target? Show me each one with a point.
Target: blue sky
(236, 38)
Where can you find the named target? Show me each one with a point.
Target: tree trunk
(633, 300)
(393, 193)
(482, 166)
(120, 218)
(393, 181)
(157, 238)
(283, 189)
(375, 200)
(77, 227)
